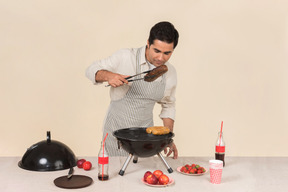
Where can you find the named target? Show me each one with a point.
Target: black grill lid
(48, 155)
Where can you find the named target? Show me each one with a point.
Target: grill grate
(139, 134)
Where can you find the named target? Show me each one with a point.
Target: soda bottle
(103, 163)
(220, 148)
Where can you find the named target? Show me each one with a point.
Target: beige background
(231, 63)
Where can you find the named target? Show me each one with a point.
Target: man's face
(159, 52)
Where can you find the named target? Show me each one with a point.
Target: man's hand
(113, 79)
(116, 80)
(172, 149)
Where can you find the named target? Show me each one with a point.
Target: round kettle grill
(138, 143)
(48, 155)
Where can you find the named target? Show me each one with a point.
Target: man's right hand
(113, 79)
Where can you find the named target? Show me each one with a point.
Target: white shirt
(124, 62)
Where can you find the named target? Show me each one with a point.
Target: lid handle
(48, 137)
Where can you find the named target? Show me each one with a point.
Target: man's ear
(148, 44)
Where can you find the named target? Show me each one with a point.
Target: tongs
(134, 76)
(137, 75)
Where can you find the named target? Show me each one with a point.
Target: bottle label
(220, 149)
(103, 160)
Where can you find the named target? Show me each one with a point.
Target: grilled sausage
(149, 130)
(155, 73)
(158, 130)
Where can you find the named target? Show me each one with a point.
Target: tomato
(87, 165)
(158, 173)
(147, 173)
(163, 179)
(152, 179)
(80, 163)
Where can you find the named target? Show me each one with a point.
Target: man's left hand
(172, 148)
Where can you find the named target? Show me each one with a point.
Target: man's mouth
(159, 62)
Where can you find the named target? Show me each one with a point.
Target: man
(132, 103)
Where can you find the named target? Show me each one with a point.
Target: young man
(132, 103)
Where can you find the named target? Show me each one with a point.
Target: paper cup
(216, 167)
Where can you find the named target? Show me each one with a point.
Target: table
(243, 174)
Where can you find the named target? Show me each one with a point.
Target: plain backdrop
(231, 63)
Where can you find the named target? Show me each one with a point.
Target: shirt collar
(142, 55)
(143, 58)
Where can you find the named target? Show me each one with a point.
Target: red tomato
(152, 179)
(87, 165)
(163, 179)
(158, 173)
(147, 173)
(80, 163)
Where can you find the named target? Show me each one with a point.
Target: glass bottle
(103, 163)
(220, 148)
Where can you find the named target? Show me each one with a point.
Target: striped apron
(135, 109)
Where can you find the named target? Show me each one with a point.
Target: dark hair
(164, 31)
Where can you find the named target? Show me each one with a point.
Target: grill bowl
(137, 142)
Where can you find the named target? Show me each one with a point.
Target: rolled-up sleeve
(109, 64)
(168, 101)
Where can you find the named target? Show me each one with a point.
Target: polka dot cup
(216, 167)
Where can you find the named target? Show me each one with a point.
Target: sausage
(158, 130)
(155, 73)
(149, 130)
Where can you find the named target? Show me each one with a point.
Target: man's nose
(161, 57)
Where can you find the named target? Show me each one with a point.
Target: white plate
(171, 181)
(190, 174)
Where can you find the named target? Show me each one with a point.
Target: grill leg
(169, 169)
(135, 160)
(122, 171)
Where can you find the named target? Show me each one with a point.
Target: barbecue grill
(138, 143)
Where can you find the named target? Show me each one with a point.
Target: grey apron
(135, 109)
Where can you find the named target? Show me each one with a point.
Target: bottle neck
(220, 140)
(102, 152)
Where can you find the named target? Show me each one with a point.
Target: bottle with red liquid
(220, 148)
(103, 163)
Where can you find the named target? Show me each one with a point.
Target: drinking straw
(103, 155)
(221, 132)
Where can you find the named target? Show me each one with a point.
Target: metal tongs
(134, 76)
(137, 75)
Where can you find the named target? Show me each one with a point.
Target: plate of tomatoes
(171, 181)
(192, 170)
(156, 179)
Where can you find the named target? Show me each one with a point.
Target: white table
(243, 174)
